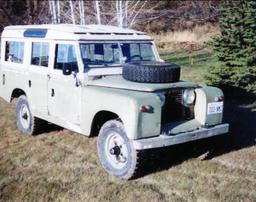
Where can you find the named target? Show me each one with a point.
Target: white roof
(77, 32)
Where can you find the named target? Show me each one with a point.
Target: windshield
(113, 54)
(137, 52)
(100, 53)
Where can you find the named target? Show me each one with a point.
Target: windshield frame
(121, 57)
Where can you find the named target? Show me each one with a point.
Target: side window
(65, 55)
(14, 51)
(40, 54)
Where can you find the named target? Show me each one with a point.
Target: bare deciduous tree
(120, 13)
(130, 13)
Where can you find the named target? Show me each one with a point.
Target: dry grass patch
(63, 166)
(191, 40)
(60, 165)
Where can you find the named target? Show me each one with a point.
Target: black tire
(129, 167)
(151, 72)
(26, 122)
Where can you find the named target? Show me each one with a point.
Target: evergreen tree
(235, 48)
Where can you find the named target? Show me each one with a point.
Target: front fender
(126, 105)
(204, 96)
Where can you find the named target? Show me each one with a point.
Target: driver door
(64, 95)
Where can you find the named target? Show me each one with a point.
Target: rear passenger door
(38, 77)
(64, 94)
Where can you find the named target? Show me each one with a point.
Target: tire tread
(151, 72)
(134, 168)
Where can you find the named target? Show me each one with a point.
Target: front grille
(174, 109)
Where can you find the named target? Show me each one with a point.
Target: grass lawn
(60, 165)
(193, 65)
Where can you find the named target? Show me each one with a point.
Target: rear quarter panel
(15, 77)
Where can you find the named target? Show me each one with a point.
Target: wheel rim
(24, 116)
(116, 150)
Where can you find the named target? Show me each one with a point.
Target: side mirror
(67, 69)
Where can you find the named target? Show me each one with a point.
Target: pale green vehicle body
(98, 96)
(130, 96)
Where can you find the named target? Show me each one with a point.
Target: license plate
(215, 108)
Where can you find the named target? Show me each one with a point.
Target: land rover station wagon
(106, 81)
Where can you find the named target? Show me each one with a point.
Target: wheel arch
(100, 118)
(17, 92)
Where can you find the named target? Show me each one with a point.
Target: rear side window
(65, 55)
(14, 51)
(40, 54)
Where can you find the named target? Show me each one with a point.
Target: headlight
(189, 96)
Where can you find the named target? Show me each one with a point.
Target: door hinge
(3, 79)
(53, 92)
(48, 76)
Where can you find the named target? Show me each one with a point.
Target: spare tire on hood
(151, 72)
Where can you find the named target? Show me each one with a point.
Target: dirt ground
(59, 165)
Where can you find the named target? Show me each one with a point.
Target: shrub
(235, 48)
(233, 80)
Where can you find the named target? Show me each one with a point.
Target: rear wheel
(26, 122)
(116, 151)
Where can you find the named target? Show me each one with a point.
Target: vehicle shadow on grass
(240, 114)
(47, 127)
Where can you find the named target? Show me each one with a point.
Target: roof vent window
(39, 33)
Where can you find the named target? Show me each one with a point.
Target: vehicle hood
(117, 81)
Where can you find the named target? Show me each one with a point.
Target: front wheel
(116, 151)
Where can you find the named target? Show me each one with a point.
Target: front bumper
(167, 140)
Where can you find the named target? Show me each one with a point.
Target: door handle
(29, 83)
(53, 93)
